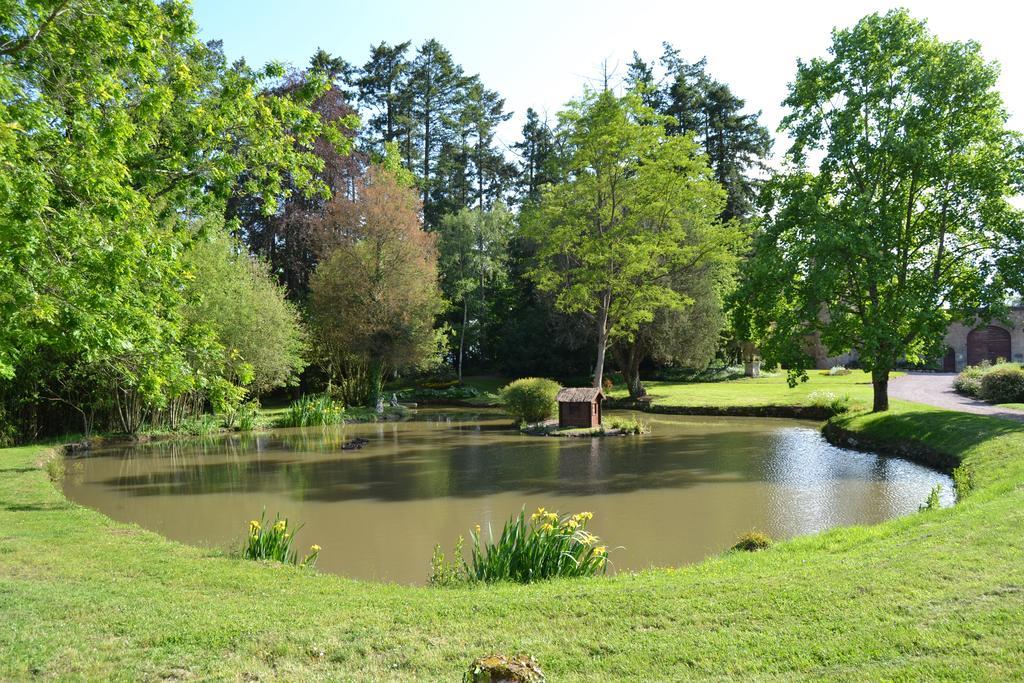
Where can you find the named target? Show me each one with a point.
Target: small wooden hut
(579, 407)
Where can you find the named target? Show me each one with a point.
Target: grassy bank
(761, 391)
(932, 595)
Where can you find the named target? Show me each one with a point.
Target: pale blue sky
(539, 54)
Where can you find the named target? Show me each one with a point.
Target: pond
(683, 492)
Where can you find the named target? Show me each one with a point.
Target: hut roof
(578, 395)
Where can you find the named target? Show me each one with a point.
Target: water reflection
(686, 490)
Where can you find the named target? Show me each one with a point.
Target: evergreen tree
(537, 155)
(381, 88)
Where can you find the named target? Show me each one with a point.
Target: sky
(540, 54)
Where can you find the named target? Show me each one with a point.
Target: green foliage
(627, 425)
(904, 223)
(837, 403)
(313, 410)
(274, 542)
(445, 572)
(119, 131)
(456, 393)
(752, 541)
(530, 399)
(934, 500)
(545, 547)
(249, 415)
(1003, 384)
(638, 205)
(968, 381)
(963, 481)
(234, 296)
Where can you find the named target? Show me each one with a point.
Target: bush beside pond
(1003, 384)
(531, 399)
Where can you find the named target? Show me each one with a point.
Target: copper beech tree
(374, 297)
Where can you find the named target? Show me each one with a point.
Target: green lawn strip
(761, 391)
(935, 594)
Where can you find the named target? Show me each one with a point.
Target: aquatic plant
(830, 400)
(752, 541)
(274, 542)
(628, 425)
(313, 410)
(963, 481)
(933, 501)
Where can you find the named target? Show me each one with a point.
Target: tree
(380, 84)
(118, 129)
(374, 297)
(434, 84)
(903, 225)
(687, 335)
(736, 143)
(473, 254)
(236, 297)
(612, 235)
(537, 154)
(285, 237)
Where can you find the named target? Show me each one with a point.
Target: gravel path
(936, 389)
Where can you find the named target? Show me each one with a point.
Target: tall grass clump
(275, 541)
(542, 547)
(531, 399)
(838, 404)
(313, 410)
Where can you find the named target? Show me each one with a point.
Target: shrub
(274, 542)
(445, 572)
(200, 425)
(248, 415)
(933, 501)
(752, 541)
(963, 481)
(628, 425)
(427, 393)
(968, 382)
(838, 370)
(531, 399)
(1003, 384)
(314, 410)
(827, 399)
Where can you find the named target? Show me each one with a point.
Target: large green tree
(626, 219)
(118, 128)
(901, 226)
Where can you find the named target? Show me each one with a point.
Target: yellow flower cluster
(254, 527)
(280, 526)
(314, 548)
(601, 550)
(542, 515)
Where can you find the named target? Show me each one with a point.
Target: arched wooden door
(949, 360)
(988, 343)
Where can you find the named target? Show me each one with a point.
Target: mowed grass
(933, 595)
(761, 391)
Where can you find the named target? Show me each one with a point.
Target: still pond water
(677, 495)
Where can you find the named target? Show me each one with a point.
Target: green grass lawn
(936, 594)
(762, 391)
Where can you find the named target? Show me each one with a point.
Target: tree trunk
(880, 383)
(602, 344)
(462, 335)
(629, 359)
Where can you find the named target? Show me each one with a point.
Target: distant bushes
(999, 383)
(313, 410)
(836, 371)
(968, 382)
(531, 399)
(274, 542)
(1003, 384)
(432, 393)
(542, 547)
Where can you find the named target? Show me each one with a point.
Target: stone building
(965, 344)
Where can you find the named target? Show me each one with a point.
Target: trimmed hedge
(531, 399)
(1003, 384)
